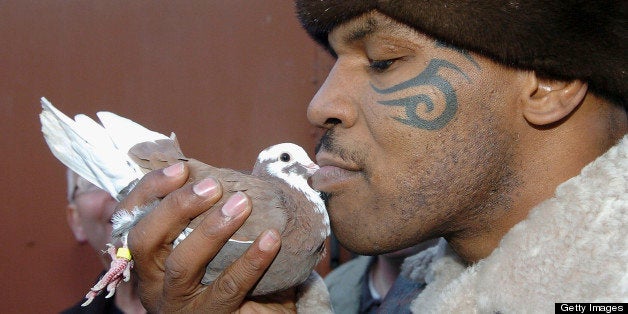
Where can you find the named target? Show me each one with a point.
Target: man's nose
(335, 102)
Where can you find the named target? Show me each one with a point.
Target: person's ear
(74, 222)
(547, 101)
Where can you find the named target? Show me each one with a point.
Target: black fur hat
(559, 39)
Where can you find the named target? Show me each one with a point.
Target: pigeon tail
(96, 152)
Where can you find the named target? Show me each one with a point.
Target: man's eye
(381, 65)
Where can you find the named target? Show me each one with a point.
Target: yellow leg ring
(124, 253)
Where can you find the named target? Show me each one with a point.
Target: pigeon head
(286, 161)
(290, 163)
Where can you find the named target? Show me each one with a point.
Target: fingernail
(205, 187)
(174, 170)
(235, 205)
(268, 240)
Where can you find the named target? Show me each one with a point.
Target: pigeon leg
(120, 269)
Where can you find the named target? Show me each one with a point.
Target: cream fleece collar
(571, 248)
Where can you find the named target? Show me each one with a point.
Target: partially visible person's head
(89, 213)
(426, 139)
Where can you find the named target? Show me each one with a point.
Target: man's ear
(74, 222)
(546, 101)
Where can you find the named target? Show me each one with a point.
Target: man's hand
(170, 279)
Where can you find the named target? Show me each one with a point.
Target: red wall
(229, 77)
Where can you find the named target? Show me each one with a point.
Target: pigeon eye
(285, 157)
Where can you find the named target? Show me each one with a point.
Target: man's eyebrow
(361, 31)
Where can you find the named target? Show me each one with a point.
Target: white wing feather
(96, 152)
(52, 122)
(119, 128)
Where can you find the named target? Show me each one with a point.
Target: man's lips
(333, 173)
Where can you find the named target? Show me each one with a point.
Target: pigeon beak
(311, 169)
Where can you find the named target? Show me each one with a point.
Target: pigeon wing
(268, 212)
(85, 147)
(157, 154)
(267, 198)
(268, 209)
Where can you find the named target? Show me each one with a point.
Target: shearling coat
(571, 248)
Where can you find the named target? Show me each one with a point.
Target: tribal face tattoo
(428, 77)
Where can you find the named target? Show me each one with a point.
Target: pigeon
(115, 154)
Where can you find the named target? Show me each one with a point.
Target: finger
(150, 240)
(186, 264)
(175, 211)
(232, 286)
(155, 185)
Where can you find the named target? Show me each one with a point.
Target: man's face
(417, 141)
(93, 209)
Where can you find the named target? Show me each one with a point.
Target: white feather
(119, 128)
(54, 136)
(96, 152)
